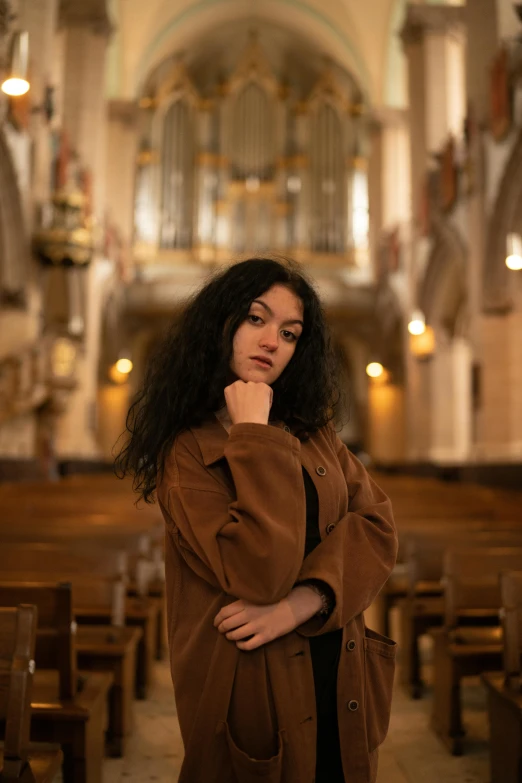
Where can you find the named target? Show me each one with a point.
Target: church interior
(143, 147)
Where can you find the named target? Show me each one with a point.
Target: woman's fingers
(229, 611)
(241, 633)
(252, 644)
(233, 622)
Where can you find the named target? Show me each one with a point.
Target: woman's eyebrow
(270, 312)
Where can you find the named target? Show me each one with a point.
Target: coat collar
(211, 437)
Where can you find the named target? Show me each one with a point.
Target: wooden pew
(471, 595)
(19, 761)
(75, 563)
(423, 606)
(504, 689)
(68, 707)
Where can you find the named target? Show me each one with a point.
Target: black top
(326, 652)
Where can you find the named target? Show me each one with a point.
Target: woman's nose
(269, 340)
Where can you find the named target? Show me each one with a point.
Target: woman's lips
(261, 363)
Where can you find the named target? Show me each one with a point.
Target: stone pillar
(451, 402)
(86, 35)
(428, 36)
(40, 20)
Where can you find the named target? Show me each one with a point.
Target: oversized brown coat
(234, 506)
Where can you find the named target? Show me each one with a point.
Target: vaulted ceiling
(359, 36)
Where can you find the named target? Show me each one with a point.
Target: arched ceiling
(353, 34)
(290, 56)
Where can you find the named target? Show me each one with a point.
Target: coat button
(320, 471)
(286, 429)
(353, 705)
(351, 645)
(329, 528)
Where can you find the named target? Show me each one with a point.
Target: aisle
(411, 754)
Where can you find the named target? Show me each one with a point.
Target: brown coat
(234, 506)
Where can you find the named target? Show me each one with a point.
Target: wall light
(417, 324)
(374, 369)
(514, 252)
(124, 366)
(16, 83)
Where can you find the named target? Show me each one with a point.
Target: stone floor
(410, 754)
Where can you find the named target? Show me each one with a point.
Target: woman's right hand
(248, 402)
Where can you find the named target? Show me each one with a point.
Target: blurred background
(378, 143)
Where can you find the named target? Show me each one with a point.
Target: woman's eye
(289, 335)
(255, 319)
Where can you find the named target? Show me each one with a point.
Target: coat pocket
(249, 770)
(379, 670)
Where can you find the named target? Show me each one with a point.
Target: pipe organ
(251, 168)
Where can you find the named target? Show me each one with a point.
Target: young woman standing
(277, 539)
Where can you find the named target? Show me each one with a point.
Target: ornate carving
(91, 13)
(431, 18)
(501, 96)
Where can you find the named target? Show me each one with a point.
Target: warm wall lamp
(16, 83)
(417, 324)
(514, 252)
(374, 369)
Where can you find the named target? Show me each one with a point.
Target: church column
(86, 36)
(432, 39)
(40, 20)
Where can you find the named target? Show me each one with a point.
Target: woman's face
(265, 342)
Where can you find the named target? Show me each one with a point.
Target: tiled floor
(410, 754)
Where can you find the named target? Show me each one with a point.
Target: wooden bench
(470, 642)
(504, 689)
(19, 760)
(423, 606)
(72, 563)
(68, 707)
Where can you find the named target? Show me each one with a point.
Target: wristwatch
(325, 593)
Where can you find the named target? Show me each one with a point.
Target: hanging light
(417, 324)
(514, 252)
(374, 369)
(16, 83)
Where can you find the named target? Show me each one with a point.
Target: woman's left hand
(241, 619)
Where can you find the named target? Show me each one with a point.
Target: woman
(277, 539)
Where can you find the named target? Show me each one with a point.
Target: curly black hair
(187, 375)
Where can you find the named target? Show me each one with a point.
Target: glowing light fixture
(514, 252)
(417, 324)
(16, 83)
(124, 366)
(374, 369)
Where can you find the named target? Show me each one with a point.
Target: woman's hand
(242, 619)
(248, 402)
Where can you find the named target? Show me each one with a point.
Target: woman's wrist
(305, 602)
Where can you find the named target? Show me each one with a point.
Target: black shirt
(326, 652)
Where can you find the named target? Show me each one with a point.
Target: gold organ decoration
(67, 238)
(252, 164)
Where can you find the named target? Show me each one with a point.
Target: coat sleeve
(251, 545)
(356, 558)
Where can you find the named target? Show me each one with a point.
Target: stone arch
(443, 295)
(201, 16)
(506, 217)
(14, 252)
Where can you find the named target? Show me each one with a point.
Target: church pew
(467, 647)
(504, 688)
(396, 588)
(100, 648)
(423, 606)
(19, 760)
(68, 707)
(76, 563)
